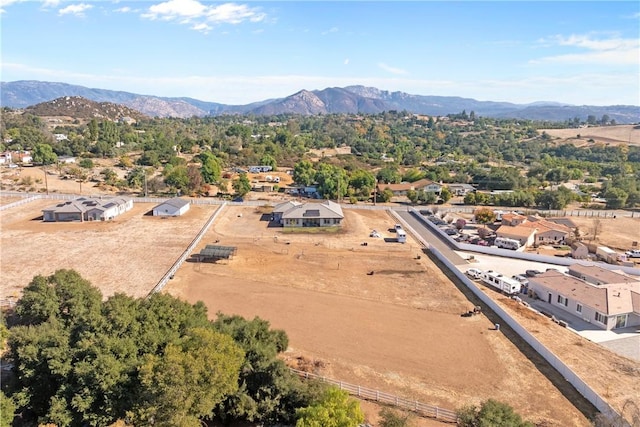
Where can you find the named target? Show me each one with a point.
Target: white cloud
(200, 16)
(5, 3)
(202, 27)
(75, 9)
(392, 70)
(125, 9)
(592, 50)
(346, 61)
(330, 30)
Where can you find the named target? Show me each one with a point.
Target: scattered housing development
(605, 298)
(296, 214)
(172, 207)
(87, 209)
(532, 230)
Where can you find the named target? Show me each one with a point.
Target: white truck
(506, 243)
(505, 284)
(401, 236)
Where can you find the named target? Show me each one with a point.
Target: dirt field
(618, 233)
(614, 135)
(129, 254)
(398, 330)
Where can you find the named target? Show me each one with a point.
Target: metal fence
(422, 409)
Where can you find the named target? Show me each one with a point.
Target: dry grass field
(610, 135)
(398, 330)
(129, 254)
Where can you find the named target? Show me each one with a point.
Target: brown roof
(609, 299)
(517, 230)
(601, 274)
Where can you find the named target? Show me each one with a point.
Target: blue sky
(236, 53)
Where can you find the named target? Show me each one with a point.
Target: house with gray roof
(606, 304)
(87, 209)
(172, 207)
(295, 214)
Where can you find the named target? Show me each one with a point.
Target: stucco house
(87, 209)
(294, 214)
(532, 230)
(525, 235)
(460, 189)
(579, 250)
(607, 306)
(401, 189)
(172, 207)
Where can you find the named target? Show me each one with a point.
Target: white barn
(172, 207)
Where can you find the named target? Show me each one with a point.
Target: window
(579, 308)
(562, 300)
(601, 318)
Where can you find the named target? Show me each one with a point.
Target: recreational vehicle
(500, 282)
(505, 243)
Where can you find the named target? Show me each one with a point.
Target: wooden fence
(421, 409)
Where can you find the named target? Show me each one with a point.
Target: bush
(490, 413)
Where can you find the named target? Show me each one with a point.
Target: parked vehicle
(506, 243)
(374, 233)
(401, 236)
(474, 272)
(532, 273)
(398, 227)
(634, 253)
(520, 278)
(498, 281)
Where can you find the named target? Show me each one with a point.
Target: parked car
(425, 212)
(451, 231)
(520, 278)
(474, 272)
(374, 233)
(634, 253)
(532, 273)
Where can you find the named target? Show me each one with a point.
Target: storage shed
(172, 207)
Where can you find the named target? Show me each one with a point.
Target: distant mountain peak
(82, 108)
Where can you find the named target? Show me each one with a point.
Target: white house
(172, 207)
(87, 209)
(294, 214)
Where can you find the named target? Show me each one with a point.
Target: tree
(7, 410)
(335, 409)
(242, 185)
(484, 216)
(391, 418)
(86, 163)
(211, 167)
(363, 182)
(445, 193)
(192, 376)
(616, 198)
(491, 413)
(304, 173)
(269, 160)
(177, 177)
(44, 155)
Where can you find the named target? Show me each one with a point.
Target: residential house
(600, 276)
(541, 231)
(172, 207)
(579, 250)
(87, 209)
(525, 235)
(66, 159)
(458, 189)
(607, 306)
(22, 157)
(402, 188)
(294, 214)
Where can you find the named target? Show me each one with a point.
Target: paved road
(433, 239)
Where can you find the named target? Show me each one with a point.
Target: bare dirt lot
(398, 330)
(129, 254)
(617, 233)
(614, 135)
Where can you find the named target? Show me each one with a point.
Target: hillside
(81, 108)
(350, 99)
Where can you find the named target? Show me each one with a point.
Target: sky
(575, 52)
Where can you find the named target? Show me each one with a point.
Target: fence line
(574, 379)
(422, 409)
(176, 265)
(19, 202)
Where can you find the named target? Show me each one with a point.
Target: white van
(633, 253)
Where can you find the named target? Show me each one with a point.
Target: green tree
(388, 175)
(335, 409)
(85, 163)
(491, 413)
(269, 160)
(93, 130)
(616, 198)
(44, 155)
(195, 374)
(7, 410)
(445, 193)
(211, 167)
(242, 185)
(484, 216)
(391, 418)
(304, 173)
(362, 182)
(177, 177)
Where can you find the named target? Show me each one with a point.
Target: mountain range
(350, 99)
